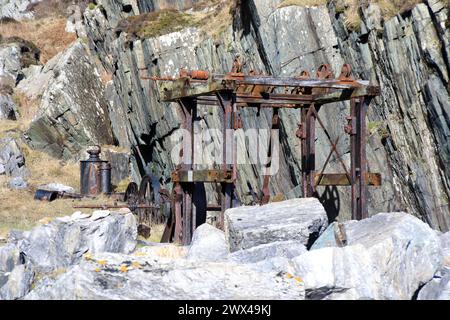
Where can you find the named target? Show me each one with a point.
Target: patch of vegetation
(122, 185)
(383, 132)
(155, 24)
(351, 8)
(55, 8)
(372, 126)
(92, 6)
(302, 3)
(389, 8)
(6, 20)
(213, 17)
(30, 53)
(42, 38)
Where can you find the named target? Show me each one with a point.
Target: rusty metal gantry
(234, 91)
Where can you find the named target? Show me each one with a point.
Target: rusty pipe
(108, 206)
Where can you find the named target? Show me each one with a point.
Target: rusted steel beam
(214, 207)
(292, 101)
(319, 99)
(181, 88)
(358, 136)
(341, 179)
(187, 214)
(291, 82)
(267, 175)
(202, 176)
(310, 152)
(227, 101)
(189, 107)
(115, 206)
(178, 212)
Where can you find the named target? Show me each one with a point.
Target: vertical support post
(190, 109)
(359, 158)
(178, 202)
(302, 135)
(228, 102)
(310, 152)
(267, 174)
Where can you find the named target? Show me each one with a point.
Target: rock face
(436, 289)
(408, 124)
(11, 159)
(16, 9)
(388, 256)
(63, 242)
(12, 163)
(138, 277)
(279, 249)
(60, 244)
(445, 243)
(75, 21)
(73, 111)
(10, 63)
(302, 220)
(120, 162)
(8, 109)
(19, 282)
(208, 244)
(439, 287)
(10, 68)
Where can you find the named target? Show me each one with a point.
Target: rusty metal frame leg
(267, 175)
(189, 107)
(359, 158)
(227, 100)
(301, 133)
(309, 156)
(178, 203)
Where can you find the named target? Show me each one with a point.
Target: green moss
(165, 22)
(372, 126)
(377, 127)
(383, 132)
(92, 6)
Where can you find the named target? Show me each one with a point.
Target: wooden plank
(202, 176)
(340, 179)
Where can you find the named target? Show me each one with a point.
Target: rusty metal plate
(341, 179)
(203, 176)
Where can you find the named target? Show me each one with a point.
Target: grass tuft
(46, 34)
(302, 3)
(212, 17)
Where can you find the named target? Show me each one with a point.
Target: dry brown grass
(351, 8)
(389, 9)
(302, 3)
(54, 8)
(48, 34)
(106, 77)
(45, 169)
(216, 22)
(27, 109)
(19, 210)
(212, 17)
(157, 233)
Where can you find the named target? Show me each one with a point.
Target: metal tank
(95, 173)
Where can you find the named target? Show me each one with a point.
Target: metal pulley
(149, 202)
